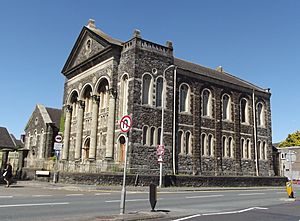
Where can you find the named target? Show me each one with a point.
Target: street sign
(125, 123)
(160, 150)
(58, 138)
(57, 146)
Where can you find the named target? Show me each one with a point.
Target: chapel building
(213, 122)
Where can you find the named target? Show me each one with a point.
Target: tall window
(203, 145)
(180, 140)
(206, 103)
(159, 90)
(87, 97)
(184, 98)
(124, 95)
(152, 136)
(230, 147)
(259, 150)
(243, 148)
(210, 145)
(244, 111)
(264, 151)
(224, 146)
(226, 107)
(188, 148)
(146, 93)
(103, 94)
(158, 135)
(145, 135)
(248, 149)
(260, 114)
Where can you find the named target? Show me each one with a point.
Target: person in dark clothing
(7, 174)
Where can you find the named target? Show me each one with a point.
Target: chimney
(220, 69)
(169, 44)
(91, 23)
(137, 33)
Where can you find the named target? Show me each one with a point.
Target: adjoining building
(9, 147)
(214, 123)
(40, 131)
(289, 162)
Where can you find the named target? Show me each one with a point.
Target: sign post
(125, 125)
(57, 148)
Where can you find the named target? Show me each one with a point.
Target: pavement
(141, 215)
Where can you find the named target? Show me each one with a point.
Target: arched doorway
(121, 153)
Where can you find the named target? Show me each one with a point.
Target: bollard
(289, 189)
(152, 196)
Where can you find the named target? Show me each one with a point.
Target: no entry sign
(125, 123)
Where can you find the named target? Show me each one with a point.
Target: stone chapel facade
(214, 123)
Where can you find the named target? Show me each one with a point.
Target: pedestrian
(7, 174)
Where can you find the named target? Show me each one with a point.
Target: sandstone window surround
(152, 136)
(260, 114)
(87, 98)
(188, 143)
(184, 98)
(86, 149)
(207, 145)
(103, 95)
(224, 147)
(42, 144)
(146, 136)
(230, 147)
(244, 112)
(262, 150)
(206, 103)
(180, 142)
(246, 148)
(226, 107)
(147, 88)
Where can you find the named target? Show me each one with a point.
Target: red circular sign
(125, 123)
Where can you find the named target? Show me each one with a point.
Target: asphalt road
(29, 203)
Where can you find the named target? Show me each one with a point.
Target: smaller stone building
(289, 162)
(7, 144)
(40, 132)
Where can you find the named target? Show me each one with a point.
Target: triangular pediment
(87, 45)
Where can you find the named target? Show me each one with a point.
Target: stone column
(79, 128)
(111, 124)
(65, 150)
(94, 125)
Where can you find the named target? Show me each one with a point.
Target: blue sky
(257, 41)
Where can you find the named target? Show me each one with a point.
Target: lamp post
(162, 121)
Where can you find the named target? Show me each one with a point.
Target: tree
(292, 140)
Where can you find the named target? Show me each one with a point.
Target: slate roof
(211, 73)
(18, 143)
(105, 36)
(54, 115)
(6, 140)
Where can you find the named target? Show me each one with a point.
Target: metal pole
(162, 123)
(174, 120)
(123, 193)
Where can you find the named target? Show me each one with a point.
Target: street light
(162, 120)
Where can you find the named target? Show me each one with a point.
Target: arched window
(41, 149)
(188, 145)
(206, 103)
(210, 145)
(158, 135)
(243, 153)
(260, 115)
(152, 136)
(264, 151)
(224, 146)
(259, 148)
(147, 89)
(145, 135)
(73, 101)
(230, 147)
(123, 95)
(244, 110)
(103, 94)
(248, 149)
(203, 145)
(180, 141)
(159, 90)
(226, 107)
(184, 98)
(87, 97)
(34, 140)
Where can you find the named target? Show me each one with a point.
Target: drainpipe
(174, 120)
(255, 132)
